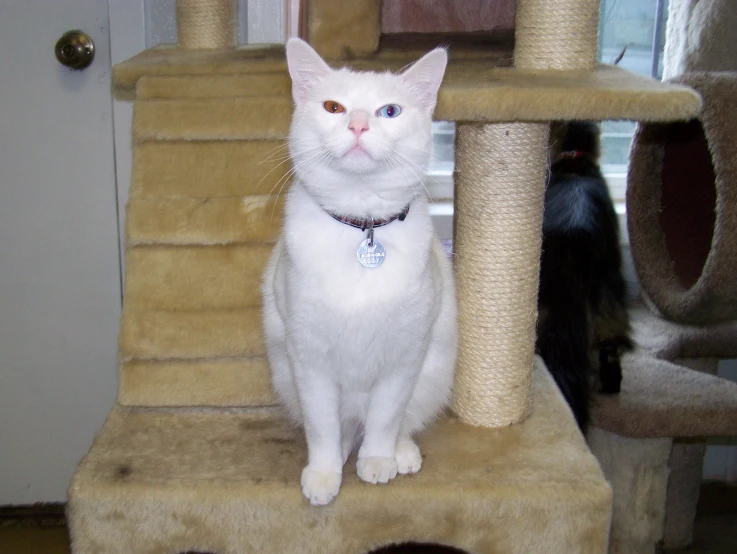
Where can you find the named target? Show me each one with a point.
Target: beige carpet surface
(161, 481)
(662, 399)
(682, 207)
(473, 90)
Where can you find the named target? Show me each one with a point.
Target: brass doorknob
(75, 50)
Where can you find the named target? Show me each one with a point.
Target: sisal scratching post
(499, 205)
(557, 35)
(500, 171)
(206, 24)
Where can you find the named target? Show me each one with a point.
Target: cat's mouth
(358, 152)
(358, 160)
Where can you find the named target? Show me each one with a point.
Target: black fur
(583, 317)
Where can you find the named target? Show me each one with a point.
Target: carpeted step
(182, 221)
(228, 481)
(186, 278)
(208, 169)
(660, 398)
(191, 335)
(214, 382)
(473, 89)
(506, 94)
(168, 60)
(223, 86)
(212, 119)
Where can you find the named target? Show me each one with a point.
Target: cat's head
(372, 128)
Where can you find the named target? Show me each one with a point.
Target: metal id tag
(371, 252)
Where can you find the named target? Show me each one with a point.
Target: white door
(59, 259)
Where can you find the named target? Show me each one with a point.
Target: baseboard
(41, 514)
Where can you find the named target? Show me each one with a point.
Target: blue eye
(390, 110)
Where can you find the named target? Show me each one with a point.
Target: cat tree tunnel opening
(688, 199)
(682, 207)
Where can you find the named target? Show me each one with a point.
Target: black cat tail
(563, 334)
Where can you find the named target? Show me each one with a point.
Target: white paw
(376, 470)
(320, 487)
(409, 459)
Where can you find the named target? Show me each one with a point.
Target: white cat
(360, 355)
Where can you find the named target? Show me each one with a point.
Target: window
(632, 31)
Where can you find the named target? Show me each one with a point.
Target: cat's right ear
(425, 75)
(306, 67)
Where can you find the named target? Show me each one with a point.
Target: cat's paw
(320, 487)
(408, 457)
(376, 470)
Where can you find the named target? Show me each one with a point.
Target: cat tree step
(186, 278)
(216, 382)
(205, 221)
(473, 90)
(190, 335)
(212, 119)
(228, 481)
(208, 169)
(662, 399)
(181, 86)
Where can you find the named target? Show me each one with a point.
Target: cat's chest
(326, 269)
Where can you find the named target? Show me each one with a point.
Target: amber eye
(333, 107)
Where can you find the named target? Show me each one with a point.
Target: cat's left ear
(425, 76)
(306, 67)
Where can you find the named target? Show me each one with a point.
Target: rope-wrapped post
(500, 191)
(557, 35)
(206, 24)
(500, 175)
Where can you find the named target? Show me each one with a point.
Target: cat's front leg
(376, 457)
(322, 476)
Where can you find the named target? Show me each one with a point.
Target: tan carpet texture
(700, 37)
(474, 89)
(227, 482)
(662, 399)
(682, 207)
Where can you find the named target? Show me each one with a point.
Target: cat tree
(195, 455)
(682, 216)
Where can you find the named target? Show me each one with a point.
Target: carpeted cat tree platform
(196, 456)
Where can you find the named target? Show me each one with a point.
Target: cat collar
(367, 223)
(572, 155)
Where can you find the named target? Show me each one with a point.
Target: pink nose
(358, 125)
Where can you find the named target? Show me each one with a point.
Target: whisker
(285, 160)
(408, 164)
(293, 169)
(282, 146)
(285, 179)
